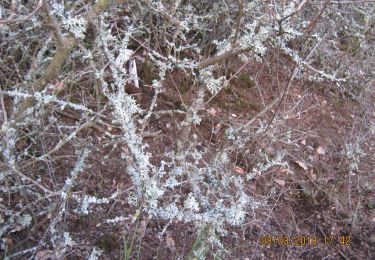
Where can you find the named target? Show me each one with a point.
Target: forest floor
(318, 207)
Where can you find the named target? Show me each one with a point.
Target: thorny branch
(23, 19)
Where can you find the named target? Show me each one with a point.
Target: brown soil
(317, 198)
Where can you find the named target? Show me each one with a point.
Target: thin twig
(56, 30)
(14, 169)
(282, 97)
(217, 59)
(234, 75)
(171, 111)
(58, 60)
(240, 7)
(59, 145)
(27, 17)
(3, 106)
(176, 87)
(261, 113)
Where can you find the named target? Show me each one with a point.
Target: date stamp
(304, 240)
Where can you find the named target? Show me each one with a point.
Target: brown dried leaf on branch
(170, 242)
(239, 170)
(301, 164)
(280, 182)
(320, 150)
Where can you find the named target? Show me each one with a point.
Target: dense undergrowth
(187, 129)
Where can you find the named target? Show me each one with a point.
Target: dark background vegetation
(323, 188)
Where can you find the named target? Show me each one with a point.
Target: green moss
(246, 81)
(100, 6)
(148, 72)
(89, 40)
(184, 85)
(108, 243)
(240, 103)
(351, 44)
(371, 204)
(228, 89)
(337, 102)
(319, 59)
(74, 100)
(355, 45)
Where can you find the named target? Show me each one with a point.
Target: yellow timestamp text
(304, 240)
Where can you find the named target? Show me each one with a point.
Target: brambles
(204, 149)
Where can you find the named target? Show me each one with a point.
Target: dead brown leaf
(320, 150)
(287, 171)
(57, 87)
(280, 182)
(170, 242)
(211, 111)
(239, 170)
(44, 255)
(8, 241)
(302, 165)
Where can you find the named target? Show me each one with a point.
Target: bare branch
(20, 174)
(240, 7)
(221, 58)
(23, 19)
(62, 53)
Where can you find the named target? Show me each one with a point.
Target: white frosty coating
(157, 188)
(95, 254)
(75, 25)
(212, 84)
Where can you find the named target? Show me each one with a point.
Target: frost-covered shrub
(102, 40)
